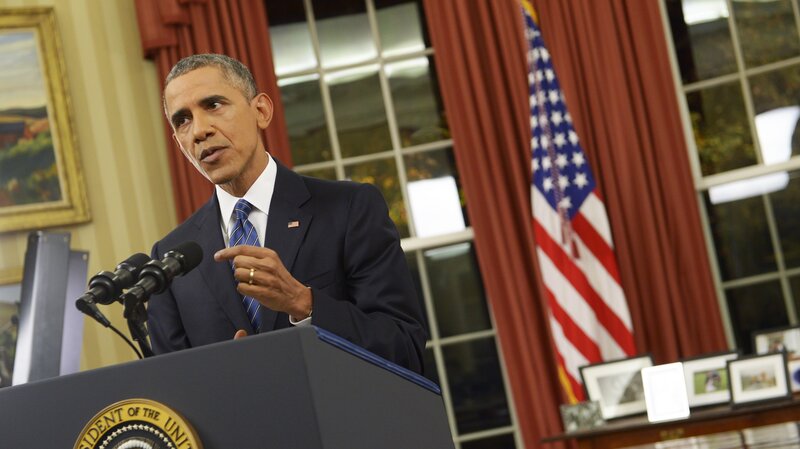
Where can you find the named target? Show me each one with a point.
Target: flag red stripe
(574, 333)
(596, 244)
(609, 320)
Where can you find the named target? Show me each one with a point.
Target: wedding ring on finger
(252, 273)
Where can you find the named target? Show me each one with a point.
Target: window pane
(741, 237)
(401, 25)
(359, 111)
(702, 38)
(767, 30)
(721, 129)
(417, 104)
(291, 40)
(344, 34)
(434, 193)
(476, 385)
(755, 307)
(776, 99)
(457, 290)
(498, 442)
(305, 119)
(383, 174)
(786, 206)
(411, 259)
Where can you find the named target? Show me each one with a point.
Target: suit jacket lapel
(218, 276)
(287, 224)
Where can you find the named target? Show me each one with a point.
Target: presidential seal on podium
(138, 424)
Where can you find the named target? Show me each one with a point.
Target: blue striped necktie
(244, 233)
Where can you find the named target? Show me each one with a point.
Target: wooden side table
(635, 431)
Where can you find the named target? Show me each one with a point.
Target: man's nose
(202, 128)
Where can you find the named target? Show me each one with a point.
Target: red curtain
(173, 29)
(612, 62)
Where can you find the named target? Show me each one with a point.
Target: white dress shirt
(259, 195)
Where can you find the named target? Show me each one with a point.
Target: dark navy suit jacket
(345, 248)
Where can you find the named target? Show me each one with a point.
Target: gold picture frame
(41, 184)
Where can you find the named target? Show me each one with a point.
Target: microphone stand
(136, 315)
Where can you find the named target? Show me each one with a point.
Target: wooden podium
(294, 388)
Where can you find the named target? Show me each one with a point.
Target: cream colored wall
(115, 102)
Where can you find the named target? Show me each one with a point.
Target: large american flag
(589, 316)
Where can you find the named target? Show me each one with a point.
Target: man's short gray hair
(232, 70)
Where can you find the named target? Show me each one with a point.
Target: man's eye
(180, 121)
(215, 105)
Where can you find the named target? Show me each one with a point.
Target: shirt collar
(259, 194)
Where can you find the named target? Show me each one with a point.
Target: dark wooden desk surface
(636, 430)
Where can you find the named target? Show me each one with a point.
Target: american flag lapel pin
(293, 224)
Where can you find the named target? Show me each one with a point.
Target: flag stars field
(554, 97)
(560, 141)
(577, 159)
(555, 117)
(580, 180)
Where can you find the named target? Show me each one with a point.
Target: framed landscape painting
(40, 180)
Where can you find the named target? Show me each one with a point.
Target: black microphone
(89, 308)
(105, 287)
(156, 275)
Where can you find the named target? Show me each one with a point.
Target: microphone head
(134, 264)
(190, 254)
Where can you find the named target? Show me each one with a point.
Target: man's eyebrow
(209, 100)
(204, 102)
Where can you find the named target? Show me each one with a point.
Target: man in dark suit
(331, 255)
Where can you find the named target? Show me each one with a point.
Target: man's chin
(218, 178)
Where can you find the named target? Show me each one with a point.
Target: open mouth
(211, 154)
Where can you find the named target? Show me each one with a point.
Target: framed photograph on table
(707, 378)
(759, 378)
(41, 184)
(778, 339)
(617, 385)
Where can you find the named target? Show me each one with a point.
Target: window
(738, 62)
(359, 87)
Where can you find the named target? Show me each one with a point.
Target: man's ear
(263, 107)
